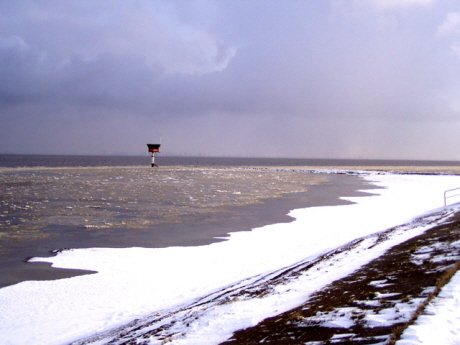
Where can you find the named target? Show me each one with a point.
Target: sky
(375, 79)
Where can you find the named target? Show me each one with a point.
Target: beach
(49, 208)
(230, 172)
(240, 223)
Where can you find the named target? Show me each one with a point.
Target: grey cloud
(307, 78)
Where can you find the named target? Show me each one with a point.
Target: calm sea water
(94, 161)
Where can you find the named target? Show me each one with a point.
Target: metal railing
(446, 196)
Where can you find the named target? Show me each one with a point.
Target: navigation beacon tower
(153, 149)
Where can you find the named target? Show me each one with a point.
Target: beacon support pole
(153, 149)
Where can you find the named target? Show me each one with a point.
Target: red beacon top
(154, 147)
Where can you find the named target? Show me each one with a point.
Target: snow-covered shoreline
(285, 294)
(135, 282)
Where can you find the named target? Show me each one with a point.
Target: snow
(440, 322)
(139, 282)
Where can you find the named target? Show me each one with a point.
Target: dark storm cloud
(336, 78)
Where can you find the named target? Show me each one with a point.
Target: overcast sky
(308, 79)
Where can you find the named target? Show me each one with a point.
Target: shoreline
(193, 227)
(210, 221)
(240, 301)
(149, 282)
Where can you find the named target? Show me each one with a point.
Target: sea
(46, 206)
(8, 160)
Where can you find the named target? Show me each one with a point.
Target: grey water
(104, 199)
(10, 160)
